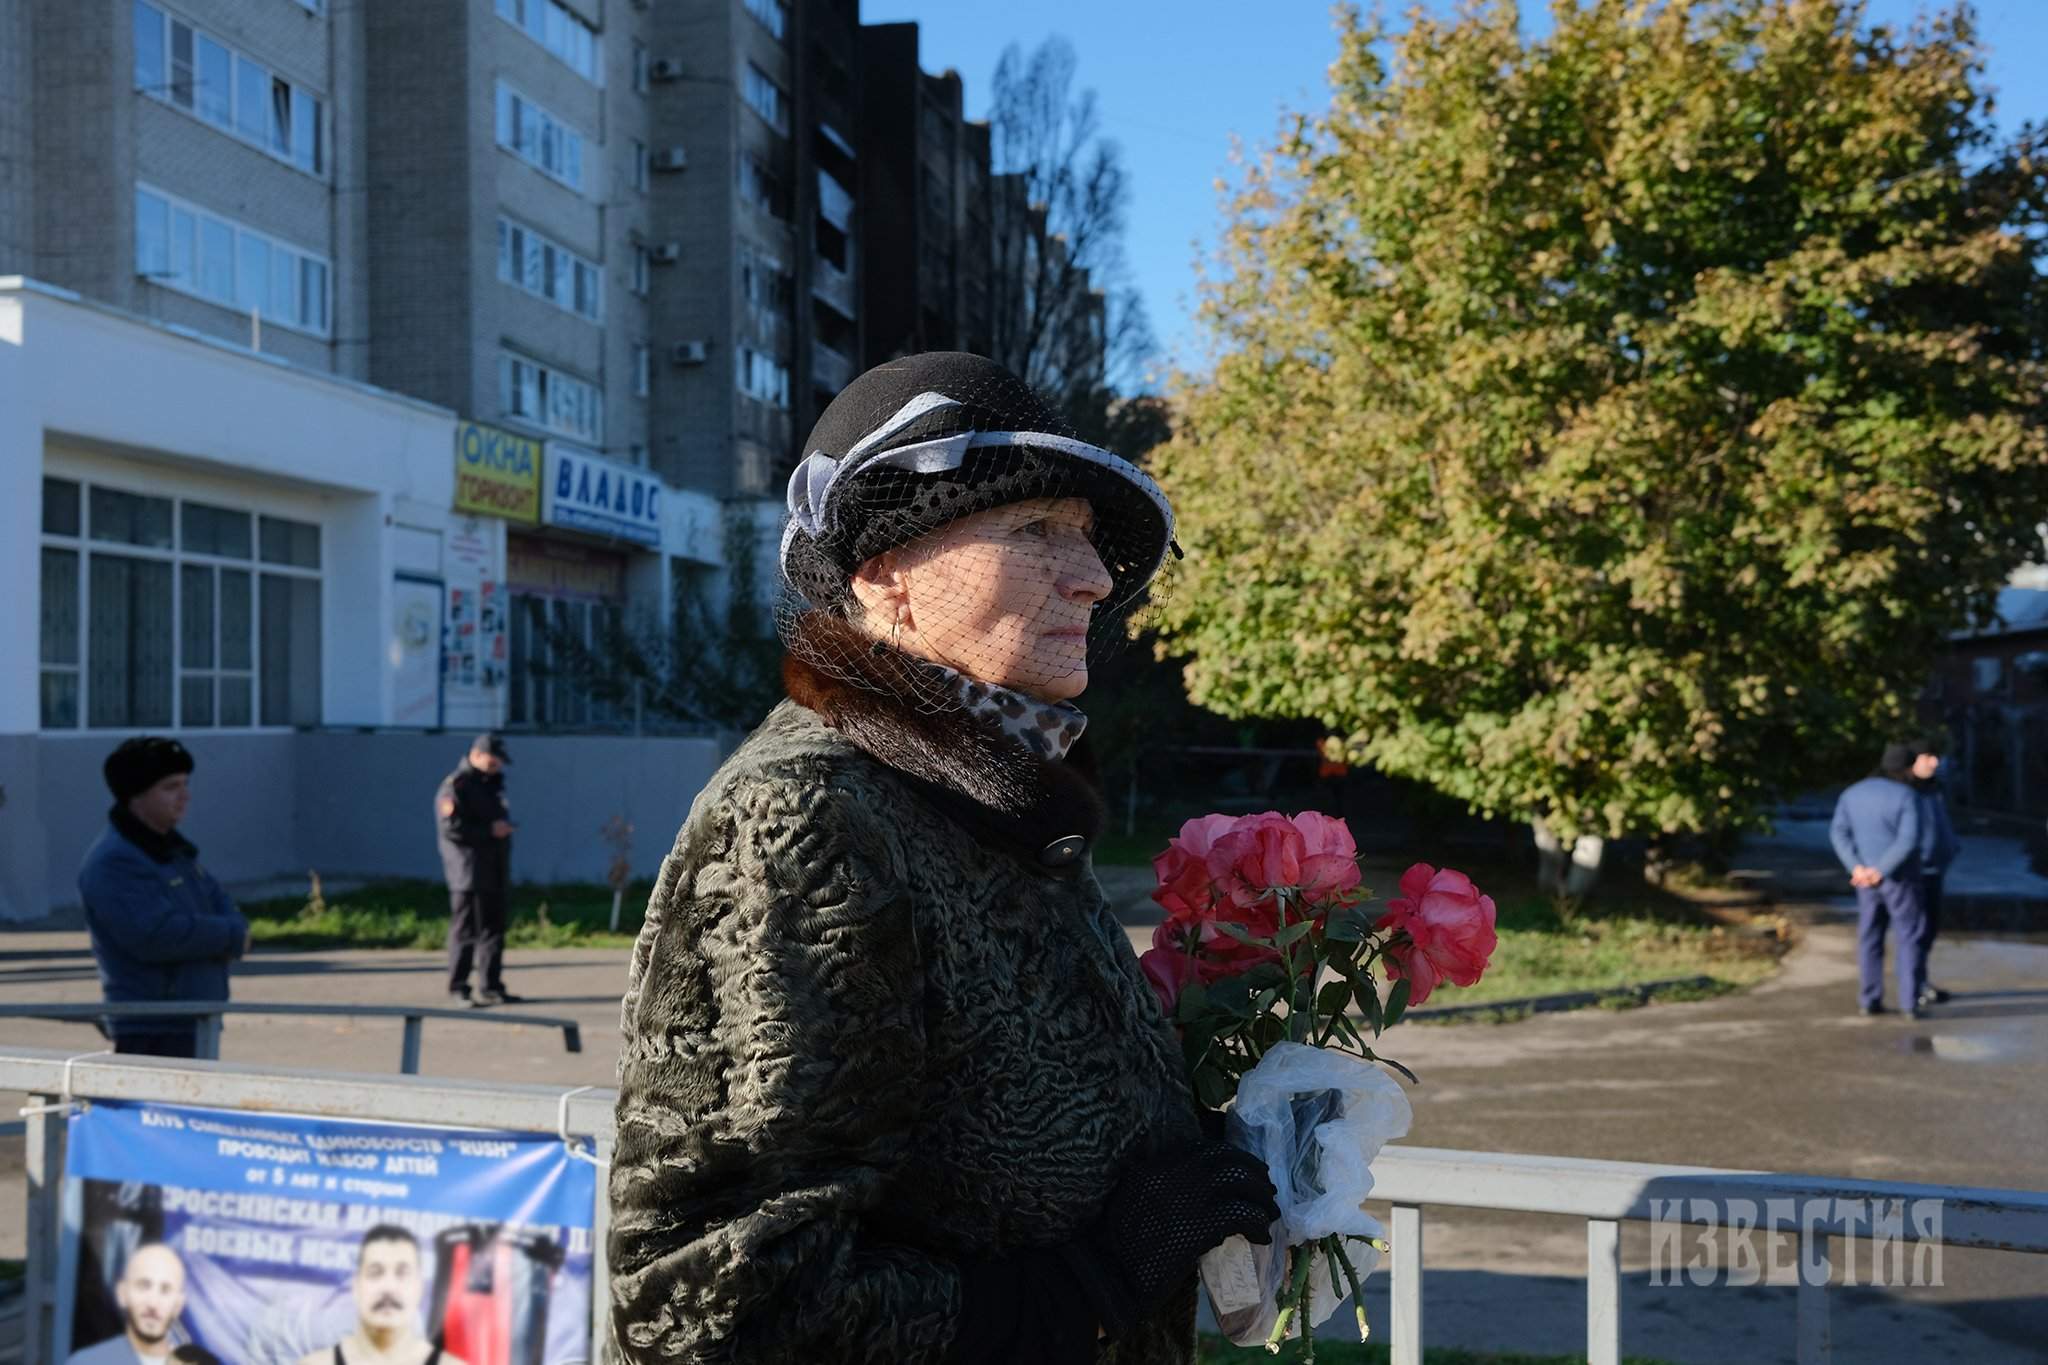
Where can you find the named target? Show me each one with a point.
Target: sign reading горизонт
(267, 1239)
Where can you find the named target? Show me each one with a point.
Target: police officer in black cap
(475, 829)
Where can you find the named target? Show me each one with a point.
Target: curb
(1640, 994)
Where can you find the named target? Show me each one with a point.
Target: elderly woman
(893, 1088)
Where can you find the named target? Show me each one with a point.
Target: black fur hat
(140, 763)
(918, 442)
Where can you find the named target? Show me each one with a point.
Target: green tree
(1609, 426)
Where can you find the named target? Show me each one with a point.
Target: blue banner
(272, 1240)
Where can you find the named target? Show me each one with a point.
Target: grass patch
(1551, 949)
(1214, 1350)
(414, 914)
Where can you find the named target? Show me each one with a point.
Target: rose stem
(1351, 1278)
(1303, 1259)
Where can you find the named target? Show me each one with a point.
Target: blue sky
(1178, 79)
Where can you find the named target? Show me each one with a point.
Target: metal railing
(1608, 1193)
(1603, 1193)
(209, 1014)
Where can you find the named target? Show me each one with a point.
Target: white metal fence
(1603, 1193)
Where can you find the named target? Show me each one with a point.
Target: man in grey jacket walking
(1876, 834)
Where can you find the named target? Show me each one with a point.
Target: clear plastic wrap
(1318, 1118)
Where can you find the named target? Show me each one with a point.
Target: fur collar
(974, 772)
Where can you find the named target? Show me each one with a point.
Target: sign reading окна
(497, 474)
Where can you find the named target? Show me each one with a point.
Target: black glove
(1043, 1307)
(1164, 1216)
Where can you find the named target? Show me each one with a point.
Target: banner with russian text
(269, 1239)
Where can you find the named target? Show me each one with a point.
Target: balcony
(830, 370)
(832, 286)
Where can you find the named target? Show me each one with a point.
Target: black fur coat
(874, 1030)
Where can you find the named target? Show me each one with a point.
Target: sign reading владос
(497, 474)
(586, 492)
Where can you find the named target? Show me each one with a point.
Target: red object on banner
(477, 1322)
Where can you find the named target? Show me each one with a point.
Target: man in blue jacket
(1938, 849)
(1876, 834)
(162, 927)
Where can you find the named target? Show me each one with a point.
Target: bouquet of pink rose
(1269, 963)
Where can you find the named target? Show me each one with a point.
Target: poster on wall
(267, 1239)
(416, 652)
(490, 632)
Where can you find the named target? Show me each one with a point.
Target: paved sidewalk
(1782, 1077)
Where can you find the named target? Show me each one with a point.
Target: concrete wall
(364, 802)
(269, 806)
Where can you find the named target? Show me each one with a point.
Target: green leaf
(1213, 1088)
(1242, 934)
(1293, 933)
(1334, 998)
(1193, 1002)
(1397, 1003)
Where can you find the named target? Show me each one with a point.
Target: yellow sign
(497, 474)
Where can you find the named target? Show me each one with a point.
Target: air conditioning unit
(690, 352)
(671, 159)
(665, 253)
(664, 69)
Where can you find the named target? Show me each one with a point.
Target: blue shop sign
(587, 492)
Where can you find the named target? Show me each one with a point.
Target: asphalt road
(1783, 1077)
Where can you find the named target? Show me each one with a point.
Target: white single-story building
(312, 583)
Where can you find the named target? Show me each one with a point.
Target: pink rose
(1449, 929)
(1168, 970)
(1185, 886)
(1311, 852)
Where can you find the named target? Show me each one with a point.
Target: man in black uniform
(476, 857)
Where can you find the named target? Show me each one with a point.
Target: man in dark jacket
(475, 830)
(1876, 834)
(162, 928)
(1938, 848)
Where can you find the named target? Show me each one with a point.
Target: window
(766, 98)
(558, 30)
(643, 370)
(773, 14)
(764, 284)
(762, 188)
(191, 69)
(640, 67)
(543, 694)
(550, 399)
(639, 173)
(540, 266)
(149, 49)
(762, 377)
(195, 615)
(539, 138)
(642, 283)
(195, 252)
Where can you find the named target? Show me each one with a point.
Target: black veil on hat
(918, 442)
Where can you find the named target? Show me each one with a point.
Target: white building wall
(93, 394)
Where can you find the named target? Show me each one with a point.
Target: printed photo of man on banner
(263, 1239)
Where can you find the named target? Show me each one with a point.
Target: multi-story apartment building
(197, 162)
(926, 180)
(755, 107)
